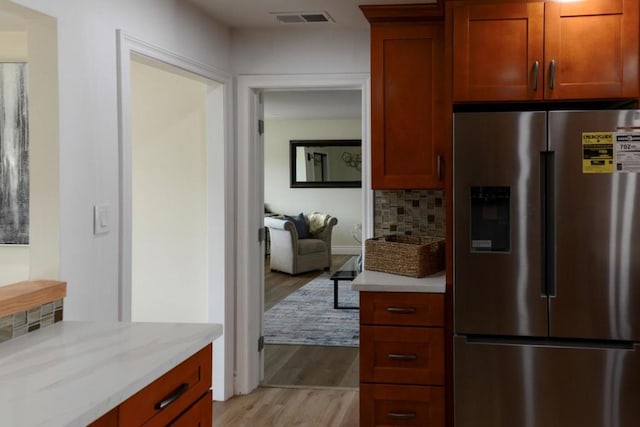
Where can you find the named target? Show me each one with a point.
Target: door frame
(250, 209)
(220, 204)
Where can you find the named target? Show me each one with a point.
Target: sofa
(292, 250)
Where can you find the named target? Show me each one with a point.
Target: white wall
(343, 203)
(89, 126)
(300, 50)
(169, 174)
(33, 40)
(14, 264)
(44, 147)
(13, 46)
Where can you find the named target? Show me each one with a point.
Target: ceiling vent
(303, 17)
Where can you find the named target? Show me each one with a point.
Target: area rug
(307, 316)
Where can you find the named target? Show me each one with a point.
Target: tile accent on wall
(409, 212)
(37, 317)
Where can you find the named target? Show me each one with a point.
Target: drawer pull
(404, 357)
(402, 415)
(172, 397)
(401, 310)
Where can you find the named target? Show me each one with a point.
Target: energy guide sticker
(597, 152)
(627, 151)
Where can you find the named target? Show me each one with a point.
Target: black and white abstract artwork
(14, 155)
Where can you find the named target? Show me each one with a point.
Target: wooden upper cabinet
(595, 48)
(498, 52)
(407, 111)
(532, 51)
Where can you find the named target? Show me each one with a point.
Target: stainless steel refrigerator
(547, 272)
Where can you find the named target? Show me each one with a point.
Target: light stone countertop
(375, 281)
(71, 373)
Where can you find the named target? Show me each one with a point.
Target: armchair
(293, 255)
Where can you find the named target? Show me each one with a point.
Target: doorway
(169, 194)
(300, 323)
(250, 264)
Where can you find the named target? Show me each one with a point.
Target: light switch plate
(101, 224)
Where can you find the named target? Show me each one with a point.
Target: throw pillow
(317, 222)
(301, 225)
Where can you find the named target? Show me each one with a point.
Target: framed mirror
(325, 163)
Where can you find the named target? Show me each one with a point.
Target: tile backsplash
(26, 321)
(409, 212)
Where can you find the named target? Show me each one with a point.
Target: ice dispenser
(490, 219)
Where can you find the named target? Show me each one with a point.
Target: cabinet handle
(403, 357)
(439, 167)
(552, 74)
(536, 73)
(402, 415)
(172, 397)
(401, 310)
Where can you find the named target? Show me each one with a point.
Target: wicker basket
(406, 255)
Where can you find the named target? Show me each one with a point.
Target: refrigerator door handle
(547, 217)
(550, 229)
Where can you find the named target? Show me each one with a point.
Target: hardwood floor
(301, 365)
(313, 366)
(282, 407)
(309, 386)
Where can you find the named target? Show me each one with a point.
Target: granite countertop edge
(375, 281)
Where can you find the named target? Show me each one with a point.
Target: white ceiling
(258, 13)
(319, 104)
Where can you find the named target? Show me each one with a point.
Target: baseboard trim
(346, 250)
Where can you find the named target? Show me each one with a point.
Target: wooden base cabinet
(198, 415)
(402, 367)
(399, 354)
(401, 405)
(537, 50)
(181, 397)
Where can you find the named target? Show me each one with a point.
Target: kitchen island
(72, 373)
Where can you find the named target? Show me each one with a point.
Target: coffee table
(347, 272)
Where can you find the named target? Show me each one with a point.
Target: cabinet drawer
(405, 309)
(199, 415)
(401, 405)
(402, 355)
(171, 394)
